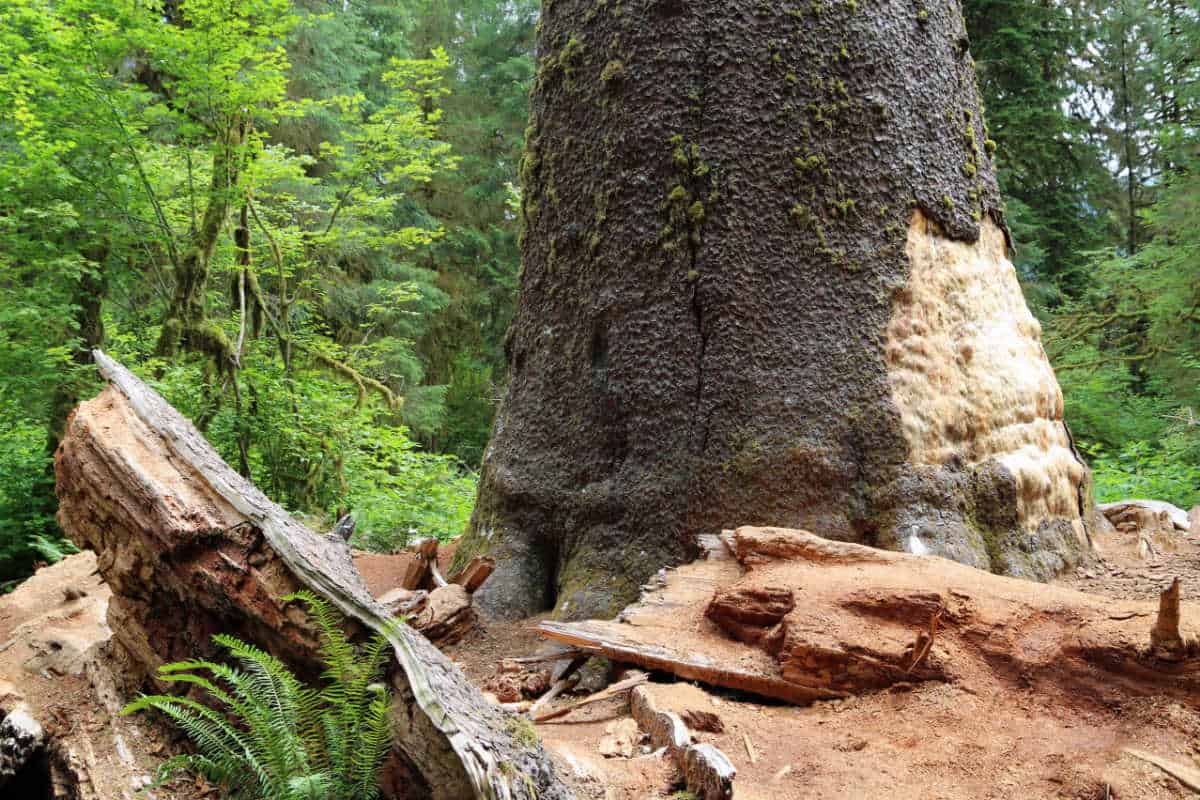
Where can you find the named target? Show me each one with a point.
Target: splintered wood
(787, 615)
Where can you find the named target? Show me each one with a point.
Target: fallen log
(190, 548)
(791, 616)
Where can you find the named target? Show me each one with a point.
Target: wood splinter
(612, 691)
(1165, 639)
(562, 681)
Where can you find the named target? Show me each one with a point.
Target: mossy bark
(716, 202)
(186, 324)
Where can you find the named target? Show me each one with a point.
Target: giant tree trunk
(190, 548)
(765, 282)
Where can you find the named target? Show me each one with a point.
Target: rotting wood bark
(562, 682)
(615, 689)
(190, 548)
(419, 572)
(864, 619)
(708, 773)
(473, 575)
(21, 737)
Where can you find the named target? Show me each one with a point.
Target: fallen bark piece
(1188, 776)
(866, 619)
(1128, 510)
(190, 548)
(420, 570)
(564, 677)
(473, 575)
(702, 721)
(620, 738)
(708, 773)
(603, 694)
(514, 687)
(21, 737)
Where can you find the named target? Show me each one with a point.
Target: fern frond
(375, 741)
(285, 741)
(335, 648)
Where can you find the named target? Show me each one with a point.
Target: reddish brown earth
(1021, 737)
(55, 659)
(992, 731)
(385, 571)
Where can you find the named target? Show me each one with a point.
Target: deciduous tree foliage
(249, 231)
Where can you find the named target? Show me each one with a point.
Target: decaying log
(1148, 514)
(860, 619)
(447, 615)
(707, 772)
(404, 602)
(190, 548)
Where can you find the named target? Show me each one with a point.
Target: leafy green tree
(156, 198)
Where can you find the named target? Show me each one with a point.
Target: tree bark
(190, 548)
(765, 281)
(186, 323)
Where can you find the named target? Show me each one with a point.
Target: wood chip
(750, 752)
(1188, 776)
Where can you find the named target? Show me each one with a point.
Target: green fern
(270, 737)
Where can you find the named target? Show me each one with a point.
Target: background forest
(296, 219)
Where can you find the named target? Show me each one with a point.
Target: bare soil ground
(53, 637)
(1017, 737)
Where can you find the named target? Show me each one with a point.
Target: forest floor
(1012, 738)
(1019, 737)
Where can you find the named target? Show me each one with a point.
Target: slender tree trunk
(1130, 146)
(89, 323)
(765, 282)
(186, 323)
